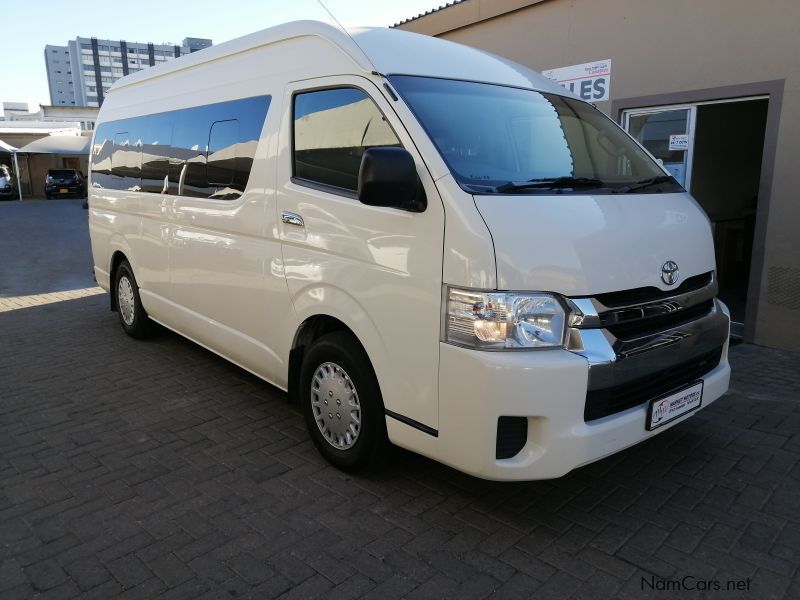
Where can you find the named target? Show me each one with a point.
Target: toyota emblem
(669, 272)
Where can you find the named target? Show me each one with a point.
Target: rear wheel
(342, 404)
(132, 315)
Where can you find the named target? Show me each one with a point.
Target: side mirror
(388, 177)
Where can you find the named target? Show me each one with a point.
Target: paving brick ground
(157, 470)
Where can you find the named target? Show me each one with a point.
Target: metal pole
(16, 171)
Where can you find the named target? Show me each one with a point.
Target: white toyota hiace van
(423, 243)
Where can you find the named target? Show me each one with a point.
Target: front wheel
(342, 404)
(132, 315)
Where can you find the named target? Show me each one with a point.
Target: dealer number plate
(668, 408)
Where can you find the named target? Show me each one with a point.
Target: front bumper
(549, 389)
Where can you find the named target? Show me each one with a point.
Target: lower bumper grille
(512, 435)
(608, 401)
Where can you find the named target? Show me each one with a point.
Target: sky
(30, 25)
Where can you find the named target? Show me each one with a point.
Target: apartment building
(80, 73)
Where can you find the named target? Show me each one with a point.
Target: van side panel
(226, 271)
(212, 269)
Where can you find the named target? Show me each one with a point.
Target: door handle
(291, 218)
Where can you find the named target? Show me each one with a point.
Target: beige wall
(662, 48)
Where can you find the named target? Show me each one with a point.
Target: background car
(7, 188)
(64, 183)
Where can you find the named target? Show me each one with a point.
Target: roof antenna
(347, 33)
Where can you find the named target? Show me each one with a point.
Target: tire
(132, 315)
(334, 367)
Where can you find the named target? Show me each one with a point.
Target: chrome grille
(639, 342)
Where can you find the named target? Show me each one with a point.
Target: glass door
(668, 134)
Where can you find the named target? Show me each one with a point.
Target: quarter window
(332, 128)
(156, 151)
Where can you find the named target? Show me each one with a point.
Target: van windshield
(503, 140)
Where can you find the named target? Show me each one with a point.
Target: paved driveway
(156, 469)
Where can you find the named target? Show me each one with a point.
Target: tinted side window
(156, 151)
(332, 128)
(214, 147)
(250, 114)
(221, 162)
(101, 156)
(205, 151)
(127, 154)
(189, 141)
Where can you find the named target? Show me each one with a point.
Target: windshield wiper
(559, 183)
(644, 183)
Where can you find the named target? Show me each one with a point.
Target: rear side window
(156, 153)
(202, 152)
(126, 159)
(332, 128)
(221, 161)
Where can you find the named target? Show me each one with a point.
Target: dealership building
(710, 88)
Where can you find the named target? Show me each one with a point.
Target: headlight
(502, 321)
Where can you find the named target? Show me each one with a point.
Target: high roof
(387, 51)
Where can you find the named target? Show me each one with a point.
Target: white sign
(589, 81)
(678, 141)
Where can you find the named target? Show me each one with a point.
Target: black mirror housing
(388, 177)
